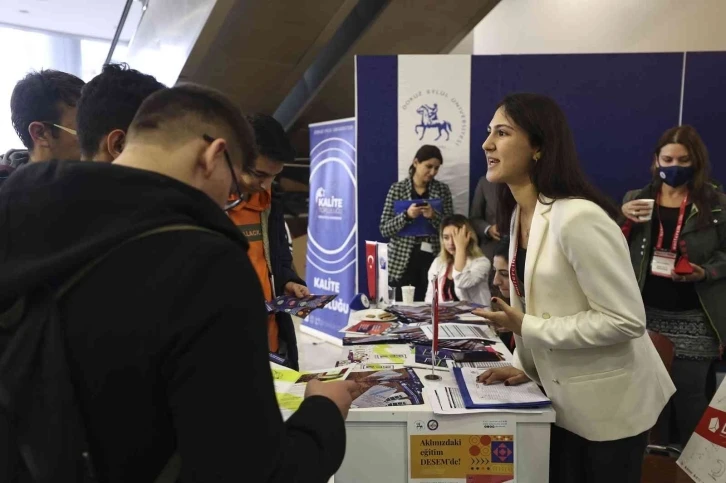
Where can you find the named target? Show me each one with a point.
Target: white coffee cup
(408, 292)
(649, 215)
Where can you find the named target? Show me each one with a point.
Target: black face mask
(676, 176)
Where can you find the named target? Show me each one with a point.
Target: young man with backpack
(132, 324)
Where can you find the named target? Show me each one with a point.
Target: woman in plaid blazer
(409, 257)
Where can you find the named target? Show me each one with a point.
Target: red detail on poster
(712, 426)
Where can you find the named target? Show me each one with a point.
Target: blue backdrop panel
(377, 116)
(485, 94)
(704, 104)
(617, 105)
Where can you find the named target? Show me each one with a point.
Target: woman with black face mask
(677, 234)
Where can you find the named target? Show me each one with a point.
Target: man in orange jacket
(261, 219)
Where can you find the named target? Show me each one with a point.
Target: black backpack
(42, 433)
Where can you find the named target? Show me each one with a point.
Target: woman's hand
(461, 238)
(414, 211)
(636, 208)
(508, 318)
(511, 376)
(698, 275)
(428, 211)
(299, 291)
(493, 233)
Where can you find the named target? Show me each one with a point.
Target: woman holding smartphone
(410, 256)
(576, 311)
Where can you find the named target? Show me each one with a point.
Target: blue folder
(469, 404)
(421, 226)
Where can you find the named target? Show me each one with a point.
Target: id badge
(427, 247)
(663, 264)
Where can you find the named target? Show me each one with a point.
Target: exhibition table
(412, 444)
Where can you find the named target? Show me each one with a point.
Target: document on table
(460, 331)
(448, 400)
(477, 395)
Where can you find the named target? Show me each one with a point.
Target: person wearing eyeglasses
(259, 216)
(43, 114)
(165, 338)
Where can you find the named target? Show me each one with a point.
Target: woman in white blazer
(576, 310)
(461, 270)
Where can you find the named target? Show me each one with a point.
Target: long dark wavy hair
(700, 189)
(557, 174)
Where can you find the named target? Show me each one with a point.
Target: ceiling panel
(84, 18)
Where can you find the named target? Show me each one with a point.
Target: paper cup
(649, 215)
(408, 292)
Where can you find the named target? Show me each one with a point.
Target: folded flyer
(299, 307)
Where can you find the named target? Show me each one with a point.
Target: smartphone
(420, 204)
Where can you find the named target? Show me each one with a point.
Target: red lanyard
(513, 270)
(679, 225)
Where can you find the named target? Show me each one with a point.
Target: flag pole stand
(434, 340)
(433, 376)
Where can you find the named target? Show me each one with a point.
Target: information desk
(400, 444)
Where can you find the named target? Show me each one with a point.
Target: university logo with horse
(430, 120)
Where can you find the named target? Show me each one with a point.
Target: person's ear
(212, 155)
(115, 142)
(40, 133)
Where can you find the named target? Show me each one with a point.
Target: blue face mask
(676, 176)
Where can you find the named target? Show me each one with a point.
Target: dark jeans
(695, 383)
(574, 459)
(416, 274)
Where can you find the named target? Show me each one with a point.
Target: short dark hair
(109, 101)
(501, 249)
(38, 97)
(272, 142)
(179, 108)
(424, 153)
(558, 173)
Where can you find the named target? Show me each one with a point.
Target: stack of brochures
(480, 396)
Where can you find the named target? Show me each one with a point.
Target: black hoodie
(166, 338)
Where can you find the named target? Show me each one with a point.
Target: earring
(537, 155)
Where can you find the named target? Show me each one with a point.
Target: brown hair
(700, 189)
(459, 221)
(424, 153)
(557, 174)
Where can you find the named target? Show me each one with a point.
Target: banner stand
(332, 254)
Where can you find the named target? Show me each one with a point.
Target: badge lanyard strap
(679, 225)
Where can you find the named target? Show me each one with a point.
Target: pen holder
(360, 302)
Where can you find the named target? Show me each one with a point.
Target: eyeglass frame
(227, 158)
(62, 128)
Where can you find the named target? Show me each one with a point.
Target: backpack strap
(172, 469)
(75, 278)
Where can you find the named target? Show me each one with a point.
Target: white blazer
(583, 335)
(471, 284)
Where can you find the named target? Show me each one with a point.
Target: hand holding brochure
(477, 395)
(299, 307)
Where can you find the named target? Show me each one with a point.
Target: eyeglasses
(260, 175)
(62, 128)
(236, 187)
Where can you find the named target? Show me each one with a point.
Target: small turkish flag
(371, 266)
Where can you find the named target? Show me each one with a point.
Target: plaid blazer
(400, 247)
